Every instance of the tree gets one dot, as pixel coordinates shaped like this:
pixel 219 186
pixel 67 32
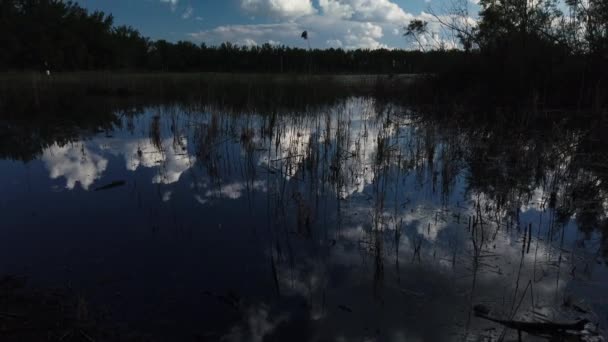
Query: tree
pixel 415 30
pixel 589 25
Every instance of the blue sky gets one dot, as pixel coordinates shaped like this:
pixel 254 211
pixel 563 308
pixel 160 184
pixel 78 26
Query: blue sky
pixel 331 23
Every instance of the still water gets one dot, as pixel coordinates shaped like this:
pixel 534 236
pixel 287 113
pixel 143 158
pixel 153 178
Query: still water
pixel 355 221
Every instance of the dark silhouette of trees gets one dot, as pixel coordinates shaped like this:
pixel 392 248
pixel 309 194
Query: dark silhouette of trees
pixel 533 52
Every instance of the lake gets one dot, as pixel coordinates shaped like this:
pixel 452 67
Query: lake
pixel 353 220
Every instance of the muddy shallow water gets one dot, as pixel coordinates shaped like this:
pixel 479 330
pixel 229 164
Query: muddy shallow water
pixel 352 221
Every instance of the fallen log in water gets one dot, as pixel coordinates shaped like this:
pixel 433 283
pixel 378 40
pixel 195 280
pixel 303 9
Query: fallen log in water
pixel 534 328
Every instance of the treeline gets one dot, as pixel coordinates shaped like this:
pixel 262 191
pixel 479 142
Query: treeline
pixel 61 35
pixel 227 57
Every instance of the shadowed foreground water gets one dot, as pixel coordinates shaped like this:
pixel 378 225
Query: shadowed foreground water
pixel 357 221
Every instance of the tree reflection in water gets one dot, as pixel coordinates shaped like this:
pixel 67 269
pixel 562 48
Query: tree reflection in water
pixel 360 211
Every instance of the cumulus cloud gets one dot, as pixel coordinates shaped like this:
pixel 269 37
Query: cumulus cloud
pixel 384 11
pixel 336 8
pixel 351 34
pixel 279 8
pixel 348 24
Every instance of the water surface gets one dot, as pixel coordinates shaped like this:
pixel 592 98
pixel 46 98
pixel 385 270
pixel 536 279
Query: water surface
pixel 358 220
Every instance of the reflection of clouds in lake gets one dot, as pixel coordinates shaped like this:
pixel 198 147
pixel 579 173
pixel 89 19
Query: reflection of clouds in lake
pixel 350 250
pixel 423 217
pixel 346 138
pixel 84 163
pixel 359 171
pixel 235 190
pixel 257 323
pixel 308 280
pixel 538 197
pixel 441 287
pixel 172 159
pixel 230 191
pixel 290 151
pixel 75 162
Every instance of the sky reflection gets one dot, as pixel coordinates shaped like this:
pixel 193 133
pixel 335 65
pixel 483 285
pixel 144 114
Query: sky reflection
pixel 353 222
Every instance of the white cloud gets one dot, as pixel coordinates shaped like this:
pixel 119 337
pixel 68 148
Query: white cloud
pixel 247 42
pixel 348 24
pixel 336 8
pixel 188 12
pixel 352 34
pixel 279 8
pixel 234 33
pixel 384 11
pixel 336 43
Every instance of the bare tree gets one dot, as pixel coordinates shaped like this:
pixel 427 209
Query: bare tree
pixel 415 30
pixel 457 23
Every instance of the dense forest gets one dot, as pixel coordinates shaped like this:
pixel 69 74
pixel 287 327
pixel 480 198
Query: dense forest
pixel 516 47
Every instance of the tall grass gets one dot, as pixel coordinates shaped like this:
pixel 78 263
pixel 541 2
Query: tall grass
pixel 35 91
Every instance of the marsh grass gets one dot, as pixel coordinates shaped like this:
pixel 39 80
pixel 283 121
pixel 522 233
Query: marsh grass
pixel 35 91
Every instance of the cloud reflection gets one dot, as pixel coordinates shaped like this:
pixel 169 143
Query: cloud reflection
pixel 76 163
pixel 84 162
pixel 171 159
